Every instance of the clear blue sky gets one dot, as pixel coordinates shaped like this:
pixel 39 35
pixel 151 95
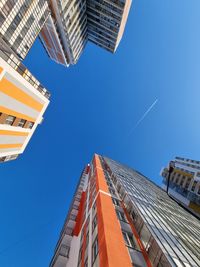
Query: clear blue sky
pixel 94 106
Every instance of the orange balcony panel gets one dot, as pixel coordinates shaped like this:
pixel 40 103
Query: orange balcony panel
pixel 79 218
pixel 112 249
pixel 100 178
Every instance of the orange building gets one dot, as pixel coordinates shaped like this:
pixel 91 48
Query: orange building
pixel 113 222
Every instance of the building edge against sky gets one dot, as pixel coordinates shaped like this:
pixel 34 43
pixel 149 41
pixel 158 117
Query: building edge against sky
pixel 118 217
pixel 23 101
pixel 73 23
pixel 64 27
pixel 184 184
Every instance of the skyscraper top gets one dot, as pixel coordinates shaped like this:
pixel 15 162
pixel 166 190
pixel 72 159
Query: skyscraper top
pixel 73 23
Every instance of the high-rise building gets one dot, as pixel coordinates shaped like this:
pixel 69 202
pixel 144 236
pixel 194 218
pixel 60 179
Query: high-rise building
pixel 21 22
pixel 23 101
pixel 73 23
pixel 118 217
pixel 184 183
pixel 64 26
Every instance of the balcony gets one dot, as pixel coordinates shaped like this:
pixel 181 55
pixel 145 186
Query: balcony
pixel 194 198
pixel 64 251
pixel 61 257
pixel 137 257
pixel 15 63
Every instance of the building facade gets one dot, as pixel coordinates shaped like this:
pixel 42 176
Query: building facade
pixel 75 22
pixel 21 22
pixel 184 184
pixel 23 101
pixel 64 27
pixel 118 218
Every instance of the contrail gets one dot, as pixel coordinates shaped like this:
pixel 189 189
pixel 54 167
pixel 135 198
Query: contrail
pixel 143 116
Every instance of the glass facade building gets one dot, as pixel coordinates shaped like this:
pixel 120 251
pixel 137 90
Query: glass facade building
pixel 78 21
pixel 21 22
pixel 118 217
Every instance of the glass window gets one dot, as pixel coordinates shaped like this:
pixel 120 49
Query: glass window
pixel 193 186
pixel 80 257
pixel 128 238
pixel 30 125
pixel 94 223
pixel 86 262
pixel 199 190
pixel 121 216
pixel 10 120
pixel 115 202
pixel 21 123
pixel 87 238
pixel 95 250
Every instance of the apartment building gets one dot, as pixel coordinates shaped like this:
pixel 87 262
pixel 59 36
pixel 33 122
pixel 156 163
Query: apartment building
pixel 23 101
pixel 118 217
pixel 74 23
pixel 184 183
pixel 21 22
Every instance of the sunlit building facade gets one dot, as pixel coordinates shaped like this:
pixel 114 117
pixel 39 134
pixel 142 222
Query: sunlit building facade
pixel 184 183
pixel 23 101
pixel 118 217
pixel 21 22
pixel 75 22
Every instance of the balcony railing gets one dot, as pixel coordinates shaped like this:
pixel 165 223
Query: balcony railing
pixel 15 63
pixel 194 198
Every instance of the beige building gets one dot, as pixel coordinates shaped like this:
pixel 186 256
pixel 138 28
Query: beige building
pixel 184 184
pixel 23 101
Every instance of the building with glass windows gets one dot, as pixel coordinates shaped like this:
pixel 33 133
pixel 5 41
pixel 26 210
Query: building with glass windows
pixel 21 22
pixel 118 217
pixel 23 101
pixel 184 184
pixel 73 23
pixel 64 27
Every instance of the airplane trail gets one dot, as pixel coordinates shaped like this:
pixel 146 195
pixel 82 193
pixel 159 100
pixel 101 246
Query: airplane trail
pixel 143 117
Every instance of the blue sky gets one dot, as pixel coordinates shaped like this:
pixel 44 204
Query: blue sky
pixel 94 106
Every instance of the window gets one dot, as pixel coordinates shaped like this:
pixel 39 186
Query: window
pixel 82 233
pixel 10 120
pixel 86 262
pixel 21 123
pixel 30 125
pixel 94 207
pixel 112 191
pixel 94 223
pixel 87 238
pixel 95 250
pixel 128 238
pixel 121 216
pixel 199 190
pixel 80 257
pixel 115 202
pixel 193 186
